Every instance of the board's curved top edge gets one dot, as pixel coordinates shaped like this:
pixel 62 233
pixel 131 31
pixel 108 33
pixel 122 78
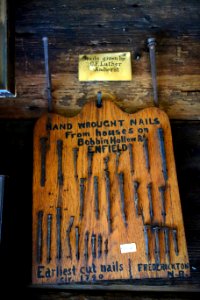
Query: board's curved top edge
pixel 92 105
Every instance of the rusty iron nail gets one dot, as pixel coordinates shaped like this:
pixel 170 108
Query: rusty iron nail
pixel 151 42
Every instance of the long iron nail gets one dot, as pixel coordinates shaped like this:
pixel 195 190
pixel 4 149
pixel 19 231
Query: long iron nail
pixel 130 268
pixel 77 242
pixel 39 236
pixel 118 153
pixel 146 153
pixel 166 236
pixel 58 226
pixel 146 239
pixel 106 247
pixel 93 242
pixel 107 181
pixel 96 196
pixel 71 221
pixel 43 149
pixel 162 152
pixel 49 229
pixel 59 153
pixel 136 197
pixel 175 241
pixel 106 160
pixel 149 190
pixel 82 196
pixel 99 245
pixel 90 160
pixel 86 245
pixel 75 158
pixel 162 197
pixel 130 149
pixel 48 74
pixel 152 53
pixel 122 198
pixel 157 244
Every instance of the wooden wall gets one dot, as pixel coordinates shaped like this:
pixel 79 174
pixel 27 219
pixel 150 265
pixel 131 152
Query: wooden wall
pixel 76 27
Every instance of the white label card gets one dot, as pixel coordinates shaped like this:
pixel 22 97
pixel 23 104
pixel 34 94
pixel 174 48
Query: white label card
pixel 128 248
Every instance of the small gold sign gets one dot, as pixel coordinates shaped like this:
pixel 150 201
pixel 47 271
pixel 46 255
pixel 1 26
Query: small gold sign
pixel 105 67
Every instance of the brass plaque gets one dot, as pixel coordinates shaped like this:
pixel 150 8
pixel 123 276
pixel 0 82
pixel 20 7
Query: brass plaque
pixel 106 203
pixel 105 67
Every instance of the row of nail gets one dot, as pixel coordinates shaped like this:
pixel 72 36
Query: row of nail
pixel 120 177
pixel 44 147
pixel 91 241
pixel 155 231
pixel 161 189
pixel 60 177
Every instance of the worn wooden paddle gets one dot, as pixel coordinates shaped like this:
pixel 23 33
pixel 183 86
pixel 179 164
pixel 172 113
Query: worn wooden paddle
pixel 106 202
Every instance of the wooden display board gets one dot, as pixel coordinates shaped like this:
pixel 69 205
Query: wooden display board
pixel 106 202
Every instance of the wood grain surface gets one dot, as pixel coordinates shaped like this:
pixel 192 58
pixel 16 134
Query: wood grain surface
pixel 64 191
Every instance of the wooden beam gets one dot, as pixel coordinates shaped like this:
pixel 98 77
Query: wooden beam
pixel 105 26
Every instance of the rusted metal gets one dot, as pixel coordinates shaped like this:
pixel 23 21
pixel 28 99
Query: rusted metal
pixel 71 221
pixel 82 196
pixel 99 246
pixel 86 245
pixel 75 158
pixel 167 249
pixel 146 240
pixel 130 149
pixel 49 229
pixel 59 154
pixel 107 181
pixel 39 236
pixel 162 152
pixel 136 196
pixel 93 242
pixel 152 53
pixel 106 247
pixel 48 73
pixel 149 191
pixel 175 241
pixel 122 198
pixel 77 243
pixel 162 197
pixel 58 231
pixel 43 151
pixel 90 160
pixel 156 230
pixel 146 152
pixel 96 197
pixel 118 153
pixel 99 99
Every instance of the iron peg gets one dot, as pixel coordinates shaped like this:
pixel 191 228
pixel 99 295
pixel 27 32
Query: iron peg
pixel 151 42
pixel 48 74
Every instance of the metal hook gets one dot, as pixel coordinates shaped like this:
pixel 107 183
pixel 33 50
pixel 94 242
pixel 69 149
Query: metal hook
pixel 151 42
pixel 99 99
pixel 48 74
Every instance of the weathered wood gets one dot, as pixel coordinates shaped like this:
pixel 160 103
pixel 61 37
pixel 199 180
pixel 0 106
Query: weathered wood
pixel 136 197
pixel 75 27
